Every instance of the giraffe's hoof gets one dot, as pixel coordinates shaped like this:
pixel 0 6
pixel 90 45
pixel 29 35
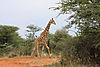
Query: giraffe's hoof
pixel 50 54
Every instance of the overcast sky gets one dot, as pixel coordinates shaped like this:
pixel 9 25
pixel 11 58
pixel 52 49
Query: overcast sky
pixel 21 13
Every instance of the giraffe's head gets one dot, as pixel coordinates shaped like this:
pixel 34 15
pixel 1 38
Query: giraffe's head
pixel 52 21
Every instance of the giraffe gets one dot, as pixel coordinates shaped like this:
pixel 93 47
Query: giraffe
pixel 42 39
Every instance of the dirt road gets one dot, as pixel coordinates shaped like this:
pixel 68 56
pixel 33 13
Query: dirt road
pixel 27 61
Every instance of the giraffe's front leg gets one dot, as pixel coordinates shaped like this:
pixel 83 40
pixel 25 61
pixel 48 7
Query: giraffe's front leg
pixel 48 49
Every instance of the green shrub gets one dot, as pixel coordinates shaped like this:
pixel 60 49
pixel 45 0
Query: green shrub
pixel 12 55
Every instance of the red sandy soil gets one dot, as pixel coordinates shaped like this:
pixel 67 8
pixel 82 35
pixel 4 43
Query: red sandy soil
pixel 27 61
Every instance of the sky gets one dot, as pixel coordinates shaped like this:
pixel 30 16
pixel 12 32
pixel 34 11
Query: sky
pixel 22 13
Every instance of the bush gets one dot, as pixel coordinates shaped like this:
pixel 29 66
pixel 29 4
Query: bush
pixel 12 55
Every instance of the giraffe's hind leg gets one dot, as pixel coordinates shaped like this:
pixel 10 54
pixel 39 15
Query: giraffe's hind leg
pixel 33 50
pixel 37 50
pixel 42 51
pixel 48 49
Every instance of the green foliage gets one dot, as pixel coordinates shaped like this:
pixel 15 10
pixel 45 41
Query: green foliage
pixel 58 40
pixel 12 55
pixel 87 50
pixel 32 29
pixel 9 39
pixel 11 44
pixel 25 47
pixel 8 34
pixel 85 15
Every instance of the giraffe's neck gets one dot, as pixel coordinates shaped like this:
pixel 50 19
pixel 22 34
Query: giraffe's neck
pixel 46 31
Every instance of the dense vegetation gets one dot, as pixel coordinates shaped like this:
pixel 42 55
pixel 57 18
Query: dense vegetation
pixel 81 49
pixel 11 44
pixel 85 16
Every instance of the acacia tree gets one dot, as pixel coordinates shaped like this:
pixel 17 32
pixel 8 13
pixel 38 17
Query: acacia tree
pixel 86 13
pixel 10 40
pixel 8 34
pixel 32 29
pixel 86 18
